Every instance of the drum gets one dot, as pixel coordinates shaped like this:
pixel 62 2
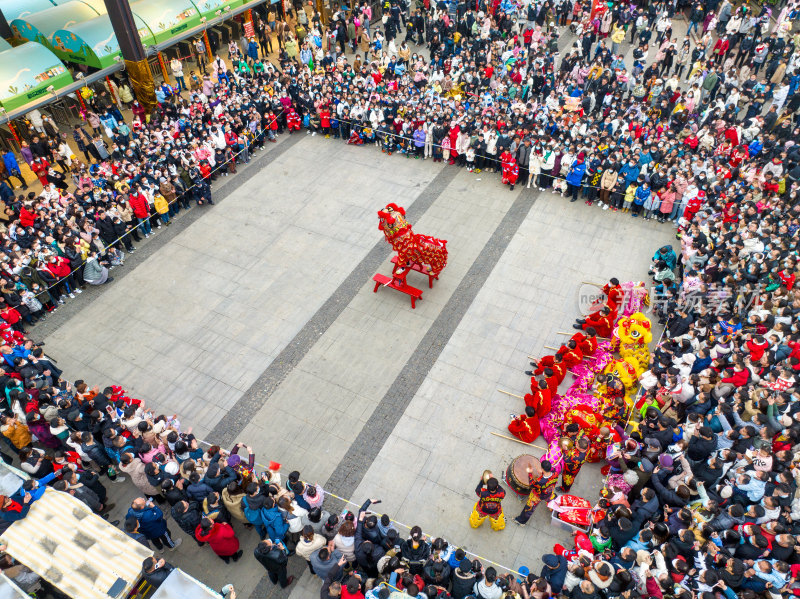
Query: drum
pixel 517 473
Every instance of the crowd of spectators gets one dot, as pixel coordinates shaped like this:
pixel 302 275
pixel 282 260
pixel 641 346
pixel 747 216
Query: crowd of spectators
pixel 699 132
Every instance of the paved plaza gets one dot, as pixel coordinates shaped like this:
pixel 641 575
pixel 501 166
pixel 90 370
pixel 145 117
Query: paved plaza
pixel 256 321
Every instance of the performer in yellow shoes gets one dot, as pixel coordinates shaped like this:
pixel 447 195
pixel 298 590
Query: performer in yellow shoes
pixel 490 494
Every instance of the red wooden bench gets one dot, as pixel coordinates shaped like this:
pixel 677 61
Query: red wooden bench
pixel 416 267
pixel 414 293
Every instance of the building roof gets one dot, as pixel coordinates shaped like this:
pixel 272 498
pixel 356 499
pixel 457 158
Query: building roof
pixel 77 551
pixel 28 72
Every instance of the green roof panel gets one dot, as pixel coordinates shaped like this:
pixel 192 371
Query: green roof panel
pixel 41 26
pixel 167 18
pixel 15 9
pixel 93 42
pixel 20 85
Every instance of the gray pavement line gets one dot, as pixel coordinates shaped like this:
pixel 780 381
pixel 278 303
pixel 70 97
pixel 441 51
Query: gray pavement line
pixel 145 250
pixel 239 416
pixel 365 448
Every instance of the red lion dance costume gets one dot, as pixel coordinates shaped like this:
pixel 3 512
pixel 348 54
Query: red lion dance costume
pixel 412 248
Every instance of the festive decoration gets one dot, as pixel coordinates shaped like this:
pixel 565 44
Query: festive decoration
pixel 631 338
pixel 572 509
pixel 429 253
pixel 628 371
pixel 636 296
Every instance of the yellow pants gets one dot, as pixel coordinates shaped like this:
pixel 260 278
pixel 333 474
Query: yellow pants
pixel 476 519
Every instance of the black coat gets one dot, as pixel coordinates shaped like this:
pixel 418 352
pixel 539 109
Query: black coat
pixel 367 561
pixel 106 228
pixel 699 449
pixel 273 558
pixel 157 577
pixel 189 520
pixel 462 584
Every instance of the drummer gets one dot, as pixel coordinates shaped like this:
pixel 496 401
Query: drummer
pixel 490 494
pixel 573 460
pixel 542 489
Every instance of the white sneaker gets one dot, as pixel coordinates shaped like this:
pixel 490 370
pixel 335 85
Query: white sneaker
pixel 79 291
pixel 177 544
pixel 541 189
pixel 60 301
pixel 119 479
pixel 72 296
pixel 605 206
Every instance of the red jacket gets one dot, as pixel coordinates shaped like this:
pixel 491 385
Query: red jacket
pixel 10 315
pixel 756 350
pixel 221 538
pixel 59 268
pixel 525 428
pixel 26 217
pixel 737 379
pixel 787 278
pixel 141 208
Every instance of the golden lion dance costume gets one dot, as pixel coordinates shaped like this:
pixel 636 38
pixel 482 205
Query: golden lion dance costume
pixel 429 253
pixel 631 338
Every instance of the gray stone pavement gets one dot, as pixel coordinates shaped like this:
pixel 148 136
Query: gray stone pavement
pixel 197 322
pixel 443 442
pixel 194 326
pixel 255 320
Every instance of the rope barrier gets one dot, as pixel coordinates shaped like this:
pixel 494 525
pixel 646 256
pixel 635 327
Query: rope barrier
pixel 218 167
pixel 350 502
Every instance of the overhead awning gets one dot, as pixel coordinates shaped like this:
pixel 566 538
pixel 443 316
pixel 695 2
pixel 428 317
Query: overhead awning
pixel 76 551
pixel 16 9
pixel 167 18
pixel 93 42
pixel 10 590
pixel 41 26
pixel 28 72
pixel 72 88
pixel 209 8
pixel 179 585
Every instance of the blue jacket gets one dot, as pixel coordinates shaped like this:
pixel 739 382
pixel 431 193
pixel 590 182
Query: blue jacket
pixel 12 515
pixel 555 576
pixel 641 196
pixel 629 173
pixel 10 161
pixel 252 506
pixel 275 524
pixel 198 491
pixel 151 521
pixel 6 193
pixel 670 258
pixel 575 174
